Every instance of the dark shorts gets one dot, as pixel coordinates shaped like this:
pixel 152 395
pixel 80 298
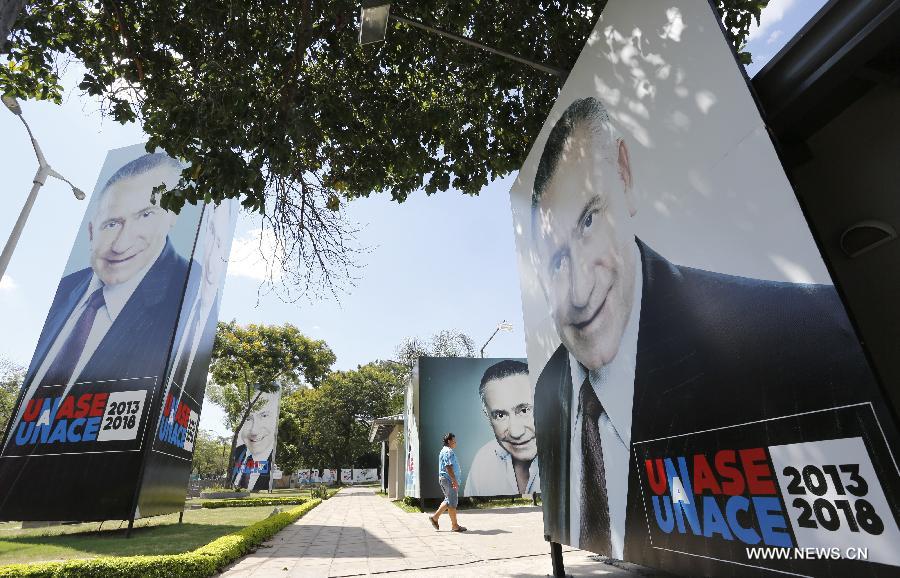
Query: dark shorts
pixel 451 496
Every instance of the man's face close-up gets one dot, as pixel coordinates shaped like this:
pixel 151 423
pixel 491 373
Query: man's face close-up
pixel 584 241
pixel 259 430
pixel 508 404
pixel 127 231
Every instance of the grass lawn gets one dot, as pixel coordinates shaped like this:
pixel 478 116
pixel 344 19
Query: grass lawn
pixel 158 535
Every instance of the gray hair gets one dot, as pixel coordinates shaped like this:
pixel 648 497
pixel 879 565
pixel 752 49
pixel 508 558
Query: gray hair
pixel 587 112
pixel 142 164
pixel 500 370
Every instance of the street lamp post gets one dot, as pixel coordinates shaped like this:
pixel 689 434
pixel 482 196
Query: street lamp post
pixel 374 17
pixel 44 171
pixel 502 326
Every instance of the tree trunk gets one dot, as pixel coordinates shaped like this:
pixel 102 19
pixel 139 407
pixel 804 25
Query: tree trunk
pixel 9 11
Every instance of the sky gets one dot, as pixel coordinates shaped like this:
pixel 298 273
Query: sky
pixel 431 263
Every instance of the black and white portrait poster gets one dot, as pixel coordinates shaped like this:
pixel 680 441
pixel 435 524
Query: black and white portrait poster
pixel 702 403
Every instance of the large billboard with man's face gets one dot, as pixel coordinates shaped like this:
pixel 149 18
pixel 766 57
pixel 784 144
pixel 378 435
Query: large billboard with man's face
pixel 253 458
pixel 81 436
pixel 488 405
pixel 702 403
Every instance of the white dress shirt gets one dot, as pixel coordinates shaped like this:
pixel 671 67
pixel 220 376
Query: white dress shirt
pixel 614 385
pixel 115 298
pixel 492 473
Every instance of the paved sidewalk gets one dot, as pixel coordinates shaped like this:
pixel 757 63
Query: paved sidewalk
pixel 357 533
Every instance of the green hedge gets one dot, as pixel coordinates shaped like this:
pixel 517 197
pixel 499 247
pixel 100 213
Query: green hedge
pixel 249 502
pixel 200 563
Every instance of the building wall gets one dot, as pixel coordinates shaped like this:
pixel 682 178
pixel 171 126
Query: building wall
pixel 854 175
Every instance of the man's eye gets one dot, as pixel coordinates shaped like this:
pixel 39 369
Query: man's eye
pixel 146 214
pixel 498 414
pixel 524 410
pixel 110 225
pixel 589 220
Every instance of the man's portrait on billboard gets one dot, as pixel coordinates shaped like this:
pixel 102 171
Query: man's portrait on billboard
pixel 113 320
pixel 650 348
pixel 253 456
pixel 507 465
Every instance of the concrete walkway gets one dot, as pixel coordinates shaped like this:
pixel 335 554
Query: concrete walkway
pixel 358 533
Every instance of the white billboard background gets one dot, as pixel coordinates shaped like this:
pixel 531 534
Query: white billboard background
pixel 701 209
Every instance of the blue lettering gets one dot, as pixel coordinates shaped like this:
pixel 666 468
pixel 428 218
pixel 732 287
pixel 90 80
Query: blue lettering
pixel 665 521
pixel 713 520
pixel 734 505
pixel 72 434
pixel 91 427
pixel 23 433
pixel 59 432
pixel 771 522
pixel 683 507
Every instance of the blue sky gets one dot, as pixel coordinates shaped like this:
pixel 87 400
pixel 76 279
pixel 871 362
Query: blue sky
pixel 440 262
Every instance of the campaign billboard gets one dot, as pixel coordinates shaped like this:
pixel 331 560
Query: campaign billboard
pixel 487 404
pixel 254 455
pixel 702 403
pixel 92 393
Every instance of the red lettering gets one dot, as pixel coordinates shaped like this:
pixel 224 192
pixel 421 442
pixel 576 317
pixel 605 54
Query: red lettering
pixel 725 460
pixel 98 404
pixel 757 470
pixel 84 405
pixel 704 478
pixel 168 405
pixel 32 410
pixel 657 479
pixel 184 414
pixel 66 408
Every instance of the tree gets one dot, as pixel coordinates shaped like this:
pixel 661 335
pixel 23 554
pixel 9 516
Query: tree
pixel 275 103
pixel 11 376
pixel 445 343
pixel 329 426
pixel 250 360
pixel 210 458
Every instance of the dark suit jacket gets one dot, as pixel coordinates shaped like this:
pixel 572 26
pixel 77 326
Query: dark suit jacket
pixel 137 345
pixel 713 350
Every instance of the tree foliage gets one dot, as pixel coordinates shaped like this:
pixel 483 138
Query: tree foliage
pixel 329 426
pixel 274 102
pixel 250 360
pixel 445 343
pixel 11 376
pixel 210 455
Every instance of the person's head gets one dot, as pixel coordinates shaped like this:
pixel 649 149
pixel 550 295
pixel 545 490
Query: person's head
pixel 582 204
pixel 259 429
pixel 218 243
pixel 127 231
pixel 450 440
pixel 506 395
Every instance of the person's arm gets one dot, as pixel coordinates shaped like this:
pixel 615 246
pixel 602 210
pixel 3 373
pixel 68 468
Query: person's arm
pixel 449 469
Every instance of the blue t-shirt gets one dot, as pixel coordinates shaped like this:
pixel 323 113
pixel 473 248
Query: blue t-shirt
pixel 448 456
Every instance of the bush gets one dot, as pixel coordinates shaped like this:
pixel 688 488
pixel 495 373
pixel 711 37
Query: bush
pixel 248 502
pixel 200 563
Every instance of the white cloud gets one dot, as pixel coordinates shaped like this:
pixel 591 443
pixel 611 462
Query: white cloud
pixel 255 256
pixel 776 34
pixel 772 14
pixel 7 283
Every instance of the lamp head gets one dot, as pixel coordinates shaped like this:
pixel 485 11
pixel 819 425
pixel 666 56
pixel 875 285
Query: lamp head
pixel 79 194
pixel 505 326
pixel 373 20
pixel 12 104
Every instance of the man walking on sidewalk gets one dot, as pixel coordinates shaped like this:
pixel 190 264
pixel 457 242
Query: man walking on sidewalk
pixel 449 475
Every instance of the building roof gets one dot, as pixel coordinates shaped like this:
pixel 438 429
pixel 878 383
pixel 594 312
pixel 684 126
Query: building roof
pixel 383 426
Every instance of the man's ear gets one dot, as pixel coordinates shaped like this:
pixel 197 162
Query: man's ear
pixel 90 231
pixel 623 163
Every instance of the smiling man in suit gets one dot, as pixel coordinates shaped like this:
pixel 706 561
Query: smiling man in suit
pixel 115 319
pixel 651 349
